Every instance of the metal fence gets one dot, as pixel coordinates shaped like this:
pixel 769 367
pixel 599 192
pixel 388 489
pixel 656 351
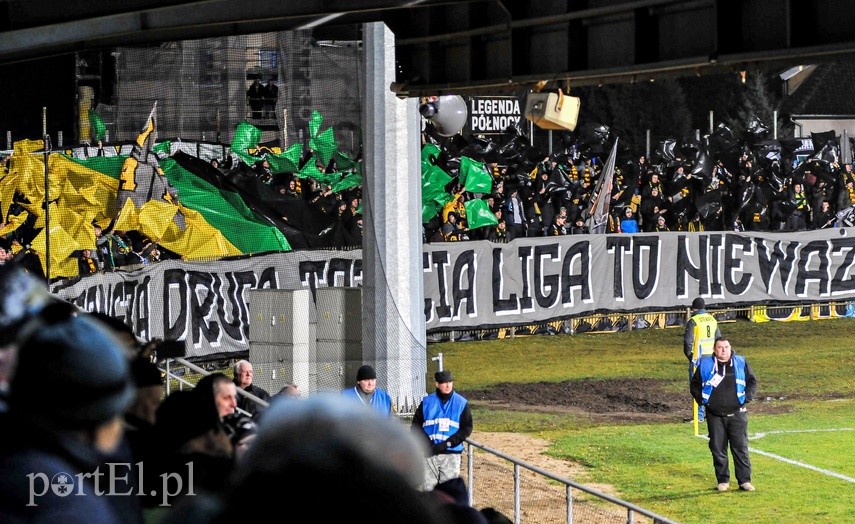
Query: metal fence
pixel 534 495
pixel 496 480
pixel 527 492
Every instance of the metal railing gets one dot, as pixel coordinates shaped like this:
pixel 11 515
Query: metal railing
pixel 182 382
pixel 575 508
pixel 543 493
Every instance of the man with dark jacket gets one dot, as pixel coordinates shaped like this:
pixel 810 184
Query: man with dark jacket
pixel 66 399
pixel 87 265
pixel 698 339
pixel 444 419
pixel 724 383
pixel 243 380
pixel 271 95
pixel 255 97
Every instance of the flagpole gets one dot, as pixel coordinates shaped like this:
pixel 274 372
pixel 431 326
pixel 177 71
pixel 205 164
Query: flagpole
pixel 47 198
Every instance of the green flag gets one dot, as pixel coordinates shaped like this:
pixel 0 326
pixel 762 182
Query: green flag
pixel 434 180
pixel 311 170
pixel 429 210
pixel 478 214
pixel 99 128
pixel 287 161
pixel 428 151
pixel 323 143
pixel 343 161
pixel 348 181
pixel 246 137
pixel 164 147
pixel 474 176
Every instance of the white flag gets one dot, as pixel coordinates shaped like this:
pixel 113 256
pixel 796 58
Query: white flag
pixel 598 214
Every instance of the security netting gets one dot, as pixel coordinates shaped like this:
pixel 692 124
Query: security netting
pixel 224 110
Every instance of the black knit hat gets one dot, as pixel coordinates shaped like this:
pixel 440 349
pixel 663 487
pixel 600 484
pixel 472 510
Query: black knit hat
pixel 366 372
pixel 443 376
pixel 72 371
pixel 181 417
pixel 698 303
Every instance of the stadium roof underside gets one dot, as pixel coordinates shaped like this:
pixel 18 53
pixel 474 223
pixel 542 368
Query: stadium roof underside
pixel 472 46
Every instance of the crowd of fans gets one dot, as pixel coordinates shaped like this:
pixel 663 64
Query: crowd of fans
pixel 758 186
pixel 97 440
pixel 715 184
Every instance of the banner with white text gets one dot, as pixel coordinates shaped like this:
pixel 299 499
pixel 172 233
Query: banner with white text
pixel 482 285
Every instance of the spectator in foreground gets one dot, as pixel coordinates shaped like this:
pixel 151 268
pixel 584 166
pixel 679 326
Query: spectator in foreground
pixel 305 451
pixel 140 416
pixel 221 390
pixel 67 396
pixel 289 391
pixel 194 450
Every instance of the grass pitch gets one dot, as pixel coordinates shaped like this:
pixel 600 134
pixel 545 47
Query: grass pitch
pixel 802 437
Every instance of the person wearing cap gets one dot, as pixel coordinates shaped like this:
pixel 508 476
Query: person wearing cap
pixel 21 296
pixel 445 420
pixel 67 396
pixel 661 225
pixel 367 392
pixel 699 338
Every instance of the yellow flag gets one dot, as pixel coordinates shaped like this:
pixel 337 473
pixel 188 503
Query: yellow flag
pixel 199 240
pixel 78 226
pixel 62 246
pixel 155 217
pixel 39 212
pixel 128 219
pixel 14 223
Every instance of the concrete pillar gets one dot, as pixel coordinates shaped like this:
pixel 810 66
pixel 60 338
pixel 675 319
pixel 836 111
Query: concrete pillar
pixel 393 282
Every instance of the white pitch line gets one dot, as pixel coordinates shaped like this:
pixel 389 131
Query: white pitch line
pixel 778 432
pixel 796 462
pixel 803 465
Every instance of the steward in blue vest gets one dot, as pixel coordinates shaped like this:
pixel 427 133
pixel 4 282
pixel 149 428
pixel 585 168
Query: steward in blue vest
pixel 724 383
pixel 444 419
pixel 367 392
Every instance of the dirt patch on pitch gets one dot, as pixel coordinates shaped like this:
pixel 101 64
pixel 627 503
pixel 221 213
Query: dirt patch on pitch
pixel 611 400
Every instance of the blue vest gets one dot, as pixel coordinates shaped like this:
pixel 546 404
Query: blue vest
pixel 707 368
pixel 442 421
pixel 380 402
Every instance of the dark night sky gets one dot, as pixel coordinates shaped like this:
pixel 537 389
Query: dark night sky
pixel 29 86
